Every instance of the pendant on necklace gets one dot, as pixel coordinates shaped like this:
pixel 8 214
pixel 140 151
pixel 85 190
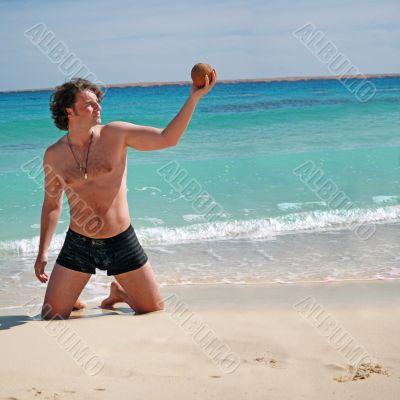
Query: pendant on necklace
pixel 80 168
pixel 85 175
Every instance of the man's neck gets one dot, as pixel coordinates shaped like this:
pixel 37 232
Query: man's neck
pixel 79 136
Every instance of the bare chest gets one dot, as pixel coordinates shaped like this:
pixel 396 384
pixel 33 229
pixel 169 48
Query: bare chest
pixel 103 161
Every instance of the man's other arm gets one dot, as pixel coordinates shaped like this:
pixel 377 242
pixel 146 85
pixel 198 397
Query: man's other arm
pixel 51 210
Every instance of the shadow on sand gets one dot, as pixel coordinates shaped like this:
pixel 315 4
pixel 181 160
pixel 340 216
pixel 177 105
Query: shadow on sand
pixel 11 321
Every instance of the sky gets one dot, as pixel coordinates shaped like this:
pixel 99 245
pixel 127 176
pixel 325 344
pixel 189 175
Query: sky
pixel 122 41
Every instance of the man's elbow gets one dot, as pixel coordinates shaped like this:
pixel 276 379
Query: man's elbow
pixel 51 206
pixel 169 142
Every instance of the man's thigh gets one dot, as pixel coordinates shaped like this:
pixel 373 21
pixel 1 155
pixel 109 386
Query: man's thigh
pixel 64 287
pixel 142 289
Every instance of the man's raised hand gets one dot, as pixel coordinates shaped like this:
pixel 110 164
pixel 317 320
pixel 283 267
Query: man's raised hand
pixel 198 93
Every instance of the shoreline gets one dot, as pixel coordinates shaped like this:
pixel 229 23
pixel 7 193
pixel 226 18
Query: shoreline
pixel 315 259
pixel 227 81
pixel 354 293
pixel 357 293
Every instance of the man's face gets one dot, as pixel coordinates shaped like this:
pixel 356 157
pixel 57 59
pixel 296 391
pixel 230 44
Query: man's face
pixel 86 110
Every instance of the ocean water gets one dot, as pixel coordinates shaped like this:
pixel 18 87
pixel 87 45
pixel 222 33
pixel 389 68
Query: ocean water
pixel 226 204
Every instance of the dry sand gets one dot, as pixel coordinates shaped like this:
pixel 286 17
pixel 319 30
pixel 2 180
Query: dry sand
pixel 270 349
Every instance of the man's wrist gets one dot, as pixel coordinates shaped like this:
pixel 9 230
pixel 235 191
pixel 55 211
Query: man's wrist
pixel 42 253
pixel 193 99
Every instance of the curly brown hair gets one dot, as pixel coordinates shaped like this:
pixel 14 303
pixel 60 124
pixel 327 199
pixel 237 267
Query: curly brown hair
pixel 65 96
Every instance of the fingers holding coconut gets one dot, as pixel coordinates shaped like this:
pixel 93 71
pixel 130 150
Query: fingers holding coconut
pixel 204 78
pixel 210 80
pixel 199 73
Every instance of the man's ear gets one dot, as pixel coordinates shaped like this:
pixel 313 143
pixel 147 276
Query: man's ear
pixel 69 111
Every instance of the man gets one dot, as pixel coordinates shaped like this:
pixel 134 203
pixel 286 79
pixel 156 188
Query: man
pixel 89 164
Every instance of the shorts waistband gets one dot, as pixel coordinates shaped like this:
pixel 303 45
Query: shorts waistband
pixel 104 241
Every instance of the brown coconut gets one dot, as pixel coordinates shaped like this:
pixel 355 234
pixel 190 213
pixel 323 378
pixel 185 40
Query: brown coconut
pixel 199 72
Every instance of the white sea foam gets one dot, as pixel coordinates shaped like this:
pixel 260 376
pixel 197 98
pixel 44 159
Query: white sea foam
pixel 193 217
pixel 299 206
pixel 266 228
pixel 31 245
pixel 289 206
pixel 384 199
pixel 318 220
pixel 161 250
pixel 153 188
pixel 154 221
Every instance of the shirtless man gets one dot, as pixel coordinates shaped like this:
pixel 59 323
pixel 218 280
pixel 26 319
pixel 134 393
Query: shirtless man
pixel 89 164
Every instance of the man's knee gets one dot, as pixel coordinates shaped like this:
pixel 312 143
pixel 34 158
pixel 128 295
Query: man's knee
pixel 152 307
pixel 159 305
pixel 50 313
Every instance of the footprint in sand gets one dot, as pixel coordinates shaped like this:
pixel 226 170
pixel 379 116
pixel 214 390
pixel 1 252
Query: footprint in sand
pixel 39 392
pixel 363 371
pixel 36 392
pixel 270 361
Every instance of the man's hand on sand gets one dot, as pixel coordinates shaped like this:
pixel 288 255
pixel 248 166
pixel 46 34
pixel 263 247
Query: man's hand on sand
pixel 40 265
pixel 198 93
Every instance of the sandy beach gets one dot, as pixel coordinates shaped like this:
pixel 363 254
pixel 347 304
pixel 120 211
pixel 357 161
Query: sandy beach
pixel 265 199
pixel 257 342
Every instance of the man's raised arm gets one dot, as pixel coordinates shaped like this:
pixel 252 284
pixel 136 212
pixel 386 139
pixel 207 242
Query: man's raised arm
pixel 147 138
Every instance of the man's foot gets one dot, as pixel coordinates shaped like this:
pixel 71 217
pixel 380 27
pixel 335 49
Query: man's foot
pixel 117 295
pixel 79 305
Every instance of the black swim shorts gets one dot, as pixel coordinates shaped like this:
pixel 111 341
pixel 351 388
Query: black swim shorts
pixel 116 255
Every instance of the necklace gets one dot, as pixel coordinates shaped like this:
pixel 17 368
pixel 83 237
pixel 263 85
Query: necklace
pixel 87 155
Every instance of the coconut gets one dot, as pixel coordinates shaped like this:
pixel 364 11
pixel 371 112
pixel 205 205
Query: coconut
pixel 199 72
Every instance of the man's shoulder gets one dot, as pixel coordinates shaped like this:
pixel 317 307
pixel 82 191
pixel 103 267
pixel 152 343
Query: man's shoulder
pixel 116 130
pixel 54 149
pixel 116 126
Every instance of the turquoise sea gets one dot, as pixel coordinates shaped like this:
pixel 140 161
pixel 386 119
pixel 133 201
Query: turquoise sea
pixel 242 147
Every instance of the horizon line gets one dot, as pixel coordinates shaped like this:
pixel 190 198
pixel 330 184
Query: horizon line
pixel 227 81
